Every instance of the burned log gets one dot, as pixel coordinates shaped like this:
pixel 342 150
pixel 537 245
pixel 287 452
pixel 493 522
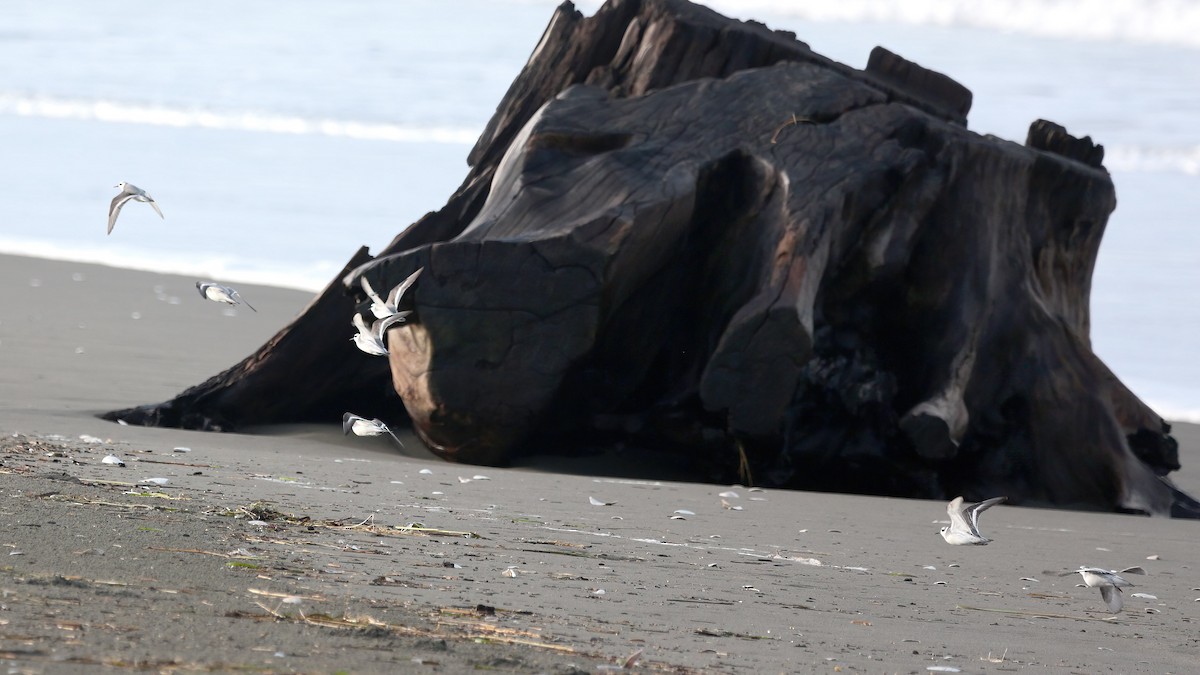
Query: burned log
pixel 690 231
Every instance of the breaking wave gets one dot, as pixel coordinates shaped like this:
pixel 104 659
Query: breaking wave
pixel 155 115
pixel 1169 22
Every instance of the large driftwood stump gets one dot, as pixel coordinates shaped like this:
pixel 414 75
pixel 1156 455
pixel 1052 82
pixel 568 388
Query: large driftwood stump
pixel 689 231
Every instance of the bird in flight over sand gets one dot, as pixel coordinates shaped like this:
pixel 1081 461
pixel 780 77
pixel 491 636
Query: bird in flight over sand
pixel 371 340
pixel 1109 582
pixel 129 191
pixel 210 290
pixel 381 308
pixel 964 522
pixel 361 426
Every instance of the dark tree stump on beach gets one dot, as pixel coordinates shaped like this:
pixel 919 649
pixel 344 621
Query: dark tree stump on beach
pixel 693 232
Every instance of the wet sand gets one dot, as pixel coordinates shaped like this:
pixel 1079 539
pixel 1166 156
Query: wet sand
pixel 300 550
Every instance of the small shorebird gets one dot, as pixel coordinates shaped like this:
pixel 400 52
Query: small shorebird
pixel 964 522
pixel 1109 583
pixel 129 191
pixel 361 426
pixel 371 340
pixel 210 290
pixel 381 308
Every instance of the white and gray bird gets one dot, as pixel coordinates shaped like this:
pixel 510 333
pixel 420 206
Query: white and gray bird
pixel 128 192
pixel 211 290
pixel 373 340
pixel 964 522
pixel 1109 582
pixel 361 426
pixel 381 308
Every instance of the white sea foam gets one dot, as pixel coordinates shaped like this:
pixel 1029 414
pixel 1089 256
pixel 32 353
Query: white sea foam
pixel 157 115
pixel 1171 22
pixel 1181 159
pixel 307 277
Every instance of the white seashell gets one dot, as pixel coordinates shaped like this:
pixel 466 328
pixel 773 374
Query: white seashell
pixel 156 481
pixel 597 502
pixel 943 669
pixel 685 512
pixel 1153 557
pixel 88 438
pixel 598 591
pixel 678 518
pixel 729 494
pixel 181 449
pixel 1144 596
pixel 1030 579
pixel 510 573
pixel 464 480
pixel 113 459
pixel 479 477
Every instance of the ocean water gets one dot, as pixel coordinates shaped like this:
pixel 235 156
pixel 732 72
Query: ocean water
pixel 280 135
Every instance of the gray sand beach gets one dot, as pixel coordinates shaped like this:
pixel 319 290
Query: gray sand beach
pixel 299 550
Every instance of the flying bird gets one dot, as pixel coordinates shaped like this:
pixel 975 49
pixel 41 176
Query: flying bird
pixel 128 192
pixel 210 290
pixel 1109 582
pixel 371 340
pixel 361 426
pixel 964 522
pixel 381 308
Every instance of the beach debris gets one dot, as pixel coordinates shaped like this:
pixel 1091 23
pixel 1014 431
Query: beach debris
pixel 964 522
pixel 943 669
pixel 1109 582
pixel 211 290
pixel 596 502
pixel 510 573
pixel 598 591
pixel 1030 579
pixel 633 659
pixel 361 426
pixel 128 192
pixel 730 507
pixel 113 459
pixel 155 481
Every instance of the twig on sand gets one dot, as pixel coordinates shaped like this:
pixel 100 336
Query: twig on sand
pixel 1037 615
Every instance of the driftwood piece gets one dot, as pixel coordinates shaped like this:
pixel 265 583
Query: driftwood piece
pixel 689 231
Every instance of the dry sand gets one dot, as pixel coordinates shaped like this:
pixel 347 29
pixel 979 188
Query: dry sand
pixel 299 550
